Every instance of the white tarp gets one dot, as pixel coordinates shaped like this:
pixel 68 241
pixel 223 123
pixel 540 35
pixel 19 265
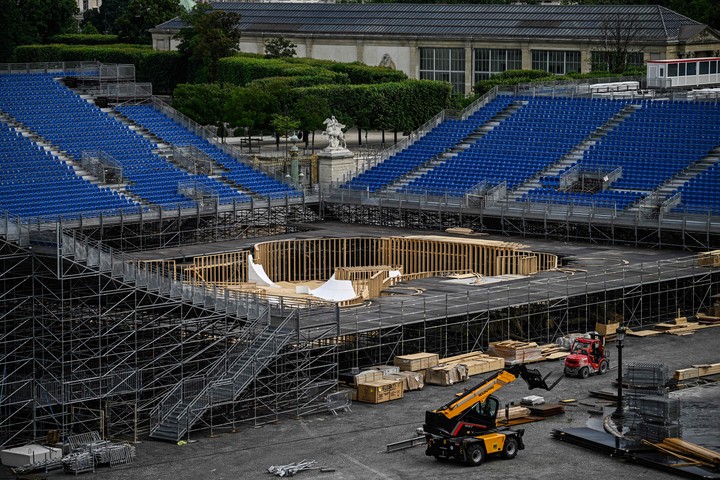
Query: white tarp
pixel 335 290
pixel 256 273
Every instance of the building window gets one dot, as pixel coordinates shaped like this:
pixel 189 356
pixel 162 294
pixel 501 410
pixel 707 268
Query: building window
pixel 489 61
pixel 599 60
pixel 558 62
pixel 444 64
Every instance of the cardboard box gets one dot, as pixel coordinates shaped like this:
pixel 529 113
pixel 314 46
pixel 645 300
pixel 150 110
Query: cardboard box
pixel 606 329
pixel 416 362
pixel 380 391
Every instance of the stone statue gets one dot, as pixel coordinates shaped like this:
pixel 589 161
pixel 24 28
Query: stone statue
pixel 333 130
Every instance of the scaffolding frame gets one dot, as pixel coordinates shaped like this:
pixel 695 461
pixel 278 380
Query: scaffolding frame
pixel 87 328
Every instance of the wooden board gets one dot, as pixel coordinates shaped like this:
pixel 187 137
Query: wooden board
pixel 644 333
pixel 416 362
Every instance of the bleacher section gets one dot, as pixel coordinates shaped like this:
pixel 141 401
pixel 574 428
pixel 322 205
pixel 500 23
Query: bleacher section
pixel 522 146
pixel 173 133
pixel 437 141
pixel 74 126
pixel 702 193
pixel 628 149
pixel 652 145
pixel 34 183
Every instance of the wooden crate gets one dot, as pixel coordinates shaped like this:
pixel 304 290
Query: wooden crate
pixel 606 329
pixel 380 391
pixel 416 362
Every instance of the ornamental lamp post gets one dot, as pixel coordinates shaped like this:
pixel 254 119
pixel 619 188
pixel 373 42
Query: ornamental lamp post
pixel 619 411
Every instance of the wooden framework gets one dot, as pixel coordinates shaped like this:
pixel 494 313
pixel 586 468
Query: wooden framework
pixel 368 261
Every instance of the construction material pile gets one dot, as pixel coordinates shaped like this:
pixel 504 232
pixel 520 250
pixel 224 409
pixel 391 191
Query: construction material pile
pixel 515 352
pixel 688 452
pixel 451 370
pixel 696 372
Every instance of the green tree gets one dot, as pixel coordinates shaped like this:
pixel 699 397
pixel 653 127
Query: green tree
pixel 283 125
pixel 26 22
pixel 311 111
pixel 104 18
pixel 250 108
pixel 139 16
pixel 279 47
pixel 210 36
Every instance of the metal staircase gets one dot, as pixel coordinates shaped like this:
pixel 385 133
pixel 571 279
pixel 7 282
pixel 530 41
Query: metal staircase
pixel 223 383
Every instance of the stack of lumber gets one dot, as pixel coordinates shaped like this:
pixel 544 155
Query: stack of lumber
pixel 410 380
pixel 680 326
pixel 607 330
pixel 513 413
pixel 516 352
pixel 546 409
pixel 689 451
pixel 707 319
pixel 697 371
pixel 552 351
pixel 458 368
pixel 416 362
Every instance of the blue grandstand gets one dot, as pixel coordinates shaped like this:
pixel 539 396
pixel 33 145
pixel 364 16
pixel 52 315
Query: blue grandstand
pixel 71 124
pixel 34 183
pixel 645 144
pixel 237 172
pixel 437 141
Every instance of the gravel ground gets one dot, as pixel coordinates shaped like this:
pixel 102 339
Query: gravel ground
pixel 353 443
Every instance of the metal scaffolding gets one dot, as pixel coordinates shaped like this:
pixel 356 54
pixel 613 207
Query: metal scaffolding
pixel 93 339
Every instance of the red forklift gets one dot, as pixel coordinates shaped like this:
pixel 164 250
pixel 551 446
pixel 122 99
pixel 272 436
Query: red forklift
pixel 587 356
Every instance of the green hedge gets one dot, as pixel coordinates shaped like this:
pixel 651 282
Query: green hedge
pixel 164 69
pixel 400 106
pixel 297 82
pixel 241 70
pixel 84 39
pixel 357 72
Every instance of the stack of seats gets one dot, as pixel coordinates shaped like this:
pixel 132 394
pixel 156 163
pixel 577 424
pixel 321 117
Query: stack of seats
pixel 75 126
pixel 35 184
pixel 652 145
pixel 175 134
pixel 437 141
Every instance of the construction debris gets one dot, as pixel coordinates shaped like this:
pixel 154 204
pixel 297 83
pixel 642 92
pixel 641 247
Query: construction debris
pixel 411 380
pixel 291 469
pixel 546 410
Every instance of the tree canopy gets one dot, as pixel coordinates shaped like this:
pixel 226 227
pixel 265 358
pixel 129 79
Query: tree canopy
pixel 279 47
pixel 33 21
pixel 210 36
pixel 139 16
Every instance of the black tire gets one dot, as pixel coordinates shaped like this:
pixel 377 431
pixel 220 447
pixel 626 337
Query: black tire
pixel 568 372
pixel 474 454
pixel 510 449
pixel 584 372
pixel 603 368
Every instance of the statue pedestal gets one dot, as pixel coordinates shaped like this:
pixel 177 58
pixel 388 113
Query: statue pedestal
pixel 335 165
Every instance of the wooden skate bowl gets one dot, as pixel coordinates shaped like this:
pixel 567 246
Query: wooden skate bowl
pixel 366 261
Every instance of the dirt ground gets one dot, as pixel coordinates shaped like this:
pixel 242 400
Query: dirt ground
pixel 354 443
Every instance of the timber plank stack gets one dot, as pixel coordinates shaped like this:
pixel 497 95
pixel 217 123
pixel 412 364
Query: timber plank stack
pixel 459 368
pixel 689 451
pixel 697 371
pixel 514 351
pixel 552 351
